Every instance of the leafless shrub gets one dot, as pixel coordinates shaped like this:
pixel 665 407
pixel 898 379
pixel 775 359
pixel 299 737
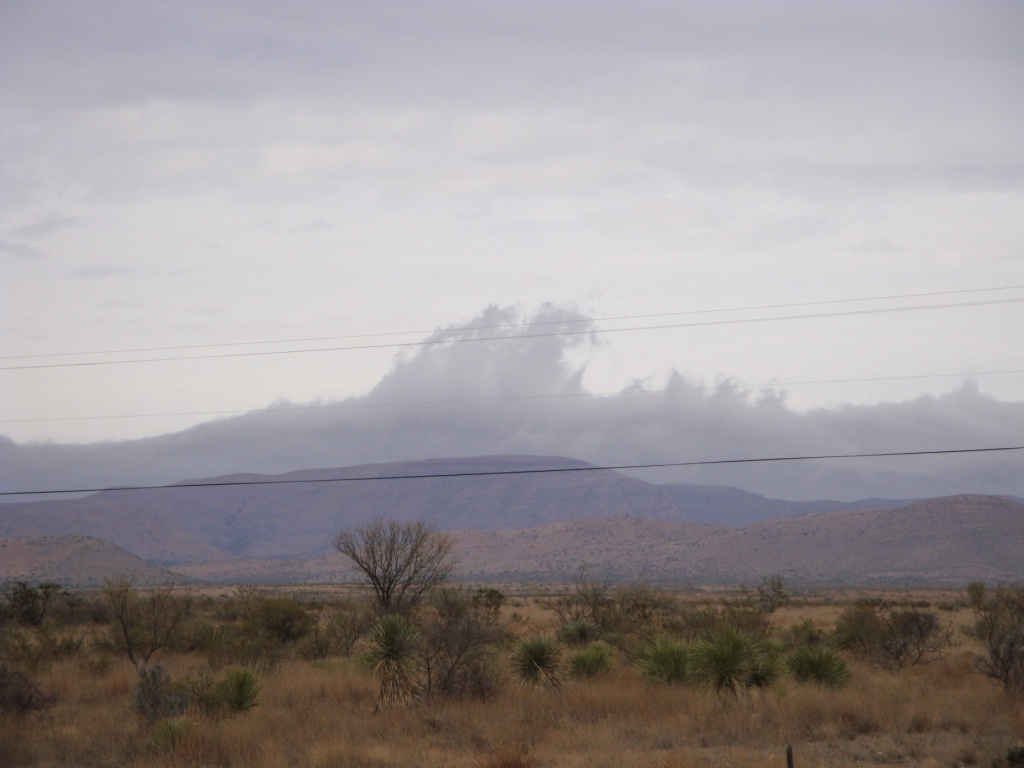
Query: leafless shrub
pixel 999 626
pixel 143 624
pixel 456 646
pixel 402 561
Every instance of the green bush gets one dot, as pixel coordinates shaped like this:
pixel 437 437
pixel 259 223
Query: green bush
pixel 538 661
pixel 593 661
pixel 819 665
pixel 156 697
pixel 803 634
pixel 281 619
pixel 665 661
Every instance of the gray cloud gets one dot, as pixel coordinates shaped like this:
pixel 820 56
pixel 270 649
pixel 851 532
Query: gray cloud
pixel 99 272
pixel 625 428
pixel 46 226
pixel 19 250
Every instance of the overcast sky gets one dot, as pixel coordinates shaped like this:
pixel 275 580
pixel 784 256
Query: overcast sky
pixel 197 173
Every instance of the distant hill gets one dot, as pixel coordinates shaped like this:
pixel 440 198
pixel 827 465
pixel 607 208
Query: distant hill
pixel 73 561
pixel 944 541
pixel 196 524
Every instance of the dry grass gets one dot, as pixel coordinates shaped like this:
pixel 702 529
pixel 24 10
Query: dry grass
pixel 321 716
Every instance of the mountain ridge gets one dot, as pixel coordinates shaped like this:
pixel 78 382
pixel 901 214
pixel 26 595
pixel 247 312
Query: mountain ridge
pixel 288 519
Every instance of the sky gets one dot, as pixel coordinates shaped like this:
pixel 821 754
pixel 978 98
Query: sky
pixel 224 178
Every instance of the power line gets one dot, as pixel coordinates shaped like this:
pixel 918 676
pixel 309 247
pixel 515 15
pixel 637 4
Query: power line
pixel 497 472
pixel 513 325
pixel 436 342
pixel 455 401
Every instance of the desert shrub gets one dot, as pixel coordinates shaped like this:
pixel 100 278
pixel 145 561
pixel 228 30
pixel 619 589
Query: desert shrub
pixel 665 661
pixel 538 661
pixel 857 628
pixel 156 697
pixel 390 654
pixel 202 694
pixel 819 665
pixel 141 624
pixel 28 605
pixel 20 695
pixel 579 632
pixel 772 593
pixel 37 649
pixel 593 661
pixel 239 644
pixel 490 602
pixel 999 627
pixel 336 633
pixel 891 635
pixel 804 634
pixel 74 609
pixel 641 613
pixel 457 645
pixel 281 619
pixel 239 690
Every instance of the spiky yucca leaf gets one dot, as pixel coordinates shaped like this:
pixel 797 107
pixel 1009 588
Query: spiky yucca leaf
pixel 766 665
pixel 665 661
pixel 389 654
pixel 724 660
pixel 820 665
pixel 239 690
pixel 538 660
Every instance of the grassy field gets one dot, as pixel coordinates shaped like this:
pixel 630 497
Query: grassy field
pixel 316 704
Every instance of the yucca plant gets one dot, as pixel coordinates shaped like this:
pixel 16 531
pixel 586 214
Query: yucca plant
pixel 538 661
pixel 665 661
pixel 820 665
pixel 724 661
pixel 389 655
pixel 766 665
pixel 169 735
pixel 579 632
pixel 593 661
pixel 239 690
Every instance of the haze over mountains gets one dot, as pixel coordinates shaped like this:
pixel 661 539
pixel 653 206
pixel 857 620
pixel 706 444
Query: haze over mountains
pixel 191 524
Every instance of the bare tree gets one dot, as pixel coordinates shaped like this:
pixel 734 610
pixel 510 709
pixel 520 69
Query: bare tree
pixel 144 624
pixel 402 561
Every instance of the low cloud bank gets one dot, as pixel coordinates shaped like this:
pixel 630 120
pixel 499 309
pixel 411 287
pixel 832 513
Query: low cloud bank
pixel 620 429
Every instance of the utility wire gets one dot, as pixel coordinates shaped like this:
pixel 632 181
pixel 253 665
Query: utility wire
pixel 494 473
pixel 514 325
pixel 453 401
pixel 435 342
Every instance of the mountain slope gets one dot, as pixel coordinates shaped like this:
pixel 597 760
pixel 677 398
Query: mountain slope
pixel 947 541
pixel 73 561
pixel 199 524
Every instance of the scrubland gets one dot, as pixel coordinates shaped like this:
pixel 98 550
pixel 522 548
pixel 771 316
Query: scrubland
pixel 317 698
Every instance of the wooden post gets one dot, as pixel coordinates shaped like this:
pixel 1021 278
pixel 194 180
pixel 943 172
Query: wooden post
pixel 789 756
